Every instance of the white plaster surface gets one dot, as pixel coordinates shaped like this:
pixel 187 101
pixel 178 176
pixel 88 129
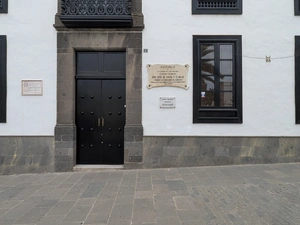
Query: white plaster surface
pixel 267 28
pixel 31 54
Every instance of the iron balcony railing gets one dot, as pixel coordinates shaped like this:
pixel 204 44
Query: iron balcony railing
pixel 96 13
pixel 96 7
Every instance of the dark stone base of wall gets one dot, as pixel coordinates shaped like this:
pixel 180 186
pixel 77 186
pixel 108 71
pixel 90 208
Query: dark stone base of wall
pixel 26 155
pixel 133 149
pixel 65 148
pixel 37 154
pixel 209 151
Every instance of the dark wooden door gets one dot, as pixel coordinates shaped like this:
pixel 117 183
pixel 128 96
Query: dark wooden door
pixel 100 108
pixel 100 121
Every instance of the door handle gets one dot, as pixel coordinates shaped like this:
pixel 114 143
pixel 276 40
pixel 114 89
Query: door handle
pixel 101 122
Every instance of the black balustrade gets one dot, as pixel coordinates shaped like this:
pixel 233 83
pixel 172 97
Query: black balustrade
pixel 96 13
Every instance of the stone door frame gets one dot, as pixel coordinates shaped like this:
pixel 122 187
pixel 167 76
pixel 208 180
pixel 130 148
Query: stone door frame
pixel 68 43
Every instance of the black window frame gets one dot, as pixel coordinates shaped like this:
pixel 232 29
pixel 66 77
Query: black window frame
pixel 224 10
pixel 3 46
pixel 218 114
pixel 297 7
pixel 297 79
pixel 3 6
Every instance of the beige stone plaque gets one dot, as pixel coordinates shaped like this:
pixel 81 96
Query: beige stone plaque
pixel 32 87
pixel 168 75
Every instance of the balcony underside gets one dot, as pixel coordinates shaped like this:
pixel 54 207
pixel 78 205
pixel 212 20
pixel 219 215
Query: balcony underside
pixel 96 21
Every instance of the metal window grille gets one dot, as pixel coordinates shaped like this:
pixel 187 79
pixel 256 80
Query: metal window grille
pixel 217 6
pixel 96 7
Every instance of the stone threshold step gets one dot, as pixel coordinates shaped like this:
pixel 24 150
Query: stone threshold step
pixel 82 167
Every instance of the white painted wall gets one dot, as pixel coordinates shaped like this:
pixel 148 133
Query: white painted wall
pixel 31 54
pixel 268 88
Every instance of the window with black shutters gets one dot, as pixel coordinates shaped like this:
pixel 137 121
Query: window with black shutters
pixel 297 78
pixel 217 7
pixel 3 6
pixel 297 7
pixel 2 79
pixel 217 79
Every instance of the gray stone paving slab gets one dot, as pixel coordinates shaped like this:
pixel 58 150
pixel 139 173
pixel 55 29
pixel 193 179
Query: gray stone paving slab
pixel 59 179
pixel 160 188
pixel 116 174
pixel 48 220
pixel 78 213
pixel 11 192
pixel 33 216
pixel 124 199
pixel 111 187
pixel 144 224
pixel 125 191
pixel 3 211
pixel 71 196
pixel 223 195
pixel 158 174
pixel 143 210
pixel 34 199
pixel 121 212
pixel 18 211
pixel 104 206
pixel 61 208
pixel 9 204
pixel 107 195
pixel 144 194
pixel 144 186
pixel 93 190
pixel 164 206
pixel 188 177
pixel 175 185
pixel 46 203
pixel 184 202
pixel 27 192
pixel 100 212
pixel 172 174
pixel 86 201
pixel 96 218
pixel 128 183
pixel 45 179
pixel 8 221
pixel 58 193
pixel 188 215
pixel 164 221
pixel 118 222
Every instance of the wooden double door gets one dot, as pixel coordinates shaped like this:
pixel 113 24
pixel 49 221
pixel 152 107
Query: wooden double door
pixel 100 109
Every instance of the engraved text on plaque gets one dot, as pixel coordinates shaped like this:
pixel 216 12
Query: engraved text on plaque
pixel 168 75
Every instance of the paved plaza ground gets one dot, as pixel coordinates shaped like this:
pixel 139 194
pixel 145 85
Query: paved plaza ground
pixel 250 194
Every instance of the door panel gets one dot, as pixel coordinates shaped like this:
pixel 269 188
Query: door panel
pixel 109 65
pixel 100 120
pixel 113 112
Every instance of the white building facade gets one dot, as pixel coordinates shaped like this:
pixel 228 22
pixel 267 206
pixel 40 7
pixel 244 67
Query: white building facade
pixel 87 63
pixel 28 50
pixel 266 92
